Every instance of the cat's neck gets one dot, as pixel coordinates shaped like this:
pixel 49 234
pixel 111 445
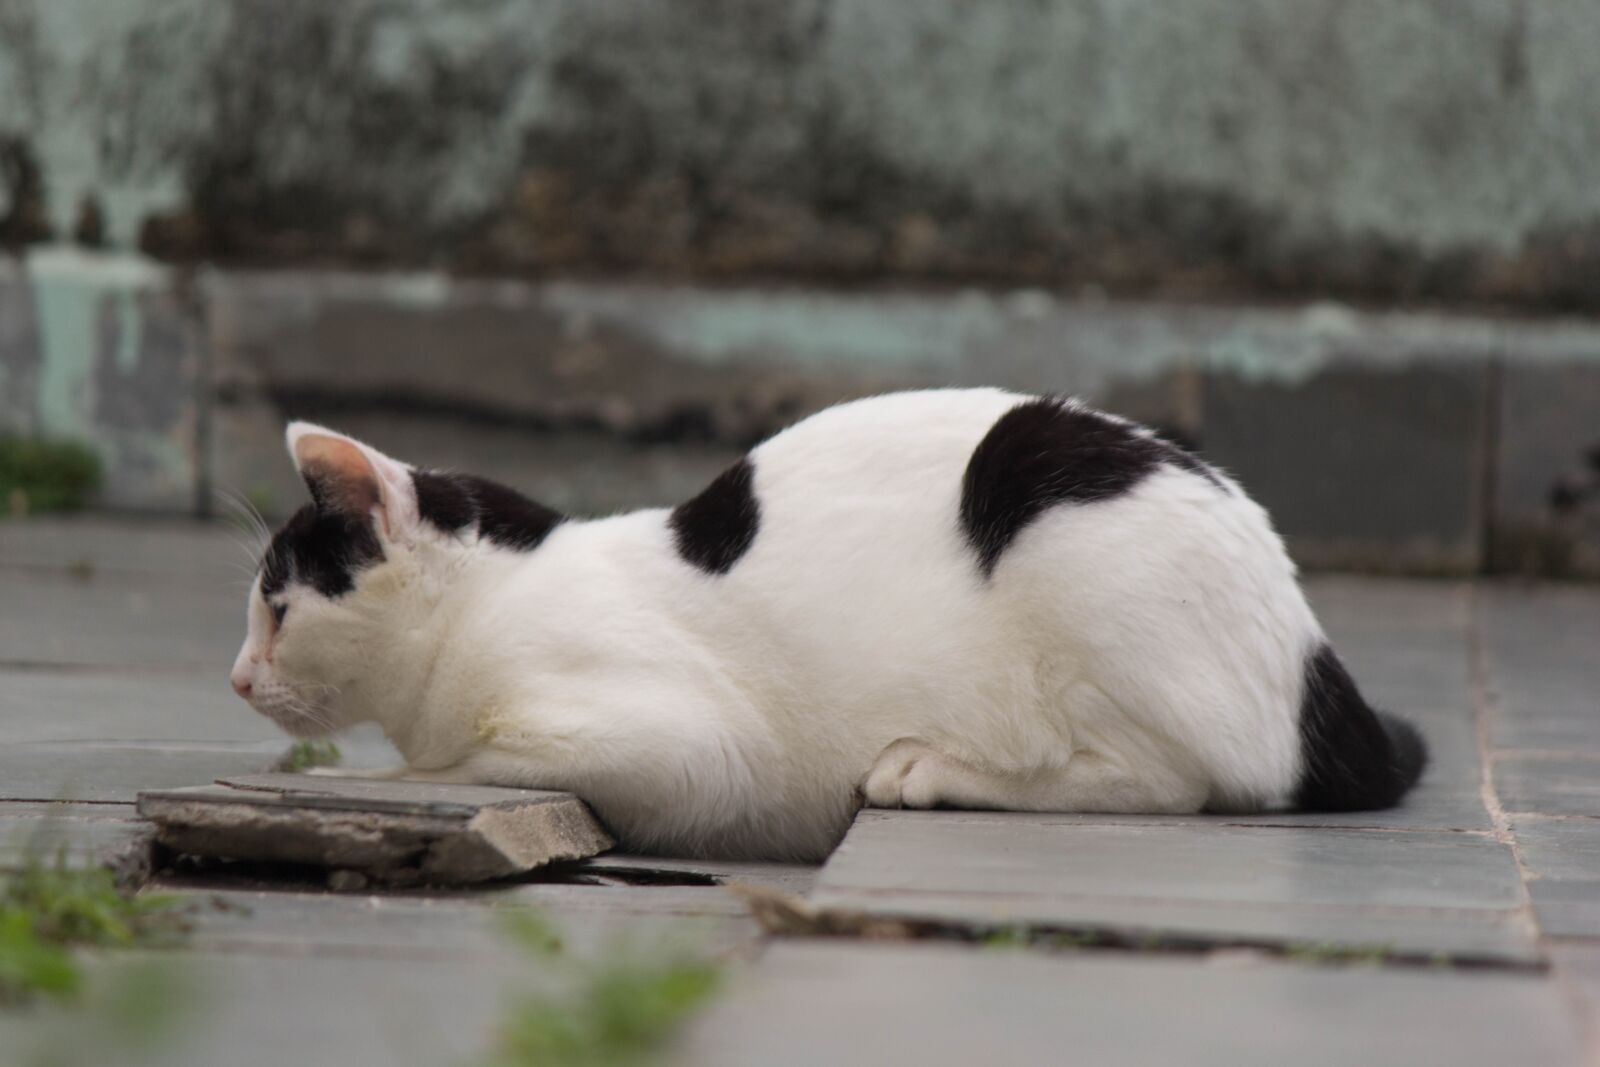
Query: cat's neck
pixel 437 662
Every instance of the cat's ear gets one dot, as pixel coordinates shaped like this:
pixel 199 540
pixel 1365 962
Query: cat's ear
pixel 348 477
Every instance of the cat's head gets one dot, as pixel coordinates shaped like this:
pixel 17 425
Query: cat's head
pixel 347 591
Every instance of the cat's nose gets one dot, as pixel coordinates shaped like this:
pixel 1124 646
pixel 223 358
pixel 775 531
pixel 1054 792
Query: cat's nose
pixel 241 687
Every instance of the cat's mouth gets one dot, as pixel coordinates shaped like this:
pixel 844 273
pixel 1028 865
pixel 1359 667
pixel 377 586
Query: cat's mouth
pixel 293 715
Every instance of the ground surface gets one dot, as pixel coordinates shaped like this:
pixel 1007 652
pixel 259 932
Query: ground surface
pixel 1461 928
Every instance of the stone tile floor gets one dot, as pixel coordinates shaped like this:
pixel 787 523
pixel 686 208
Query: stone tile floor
pixel 1462 928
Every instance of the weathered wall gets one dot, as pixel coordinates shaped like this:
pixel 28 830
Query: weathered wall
pixel 1388 149
pixel 1397 441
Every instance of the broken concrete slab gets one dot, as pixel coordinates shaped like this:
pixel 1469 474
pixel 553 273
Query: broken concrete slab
pixel 1420 893
pixel 395 832
pixel 938 1004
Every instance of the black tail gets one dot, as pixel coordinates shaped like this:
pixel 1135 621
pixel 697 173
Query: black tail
pixel 1353 758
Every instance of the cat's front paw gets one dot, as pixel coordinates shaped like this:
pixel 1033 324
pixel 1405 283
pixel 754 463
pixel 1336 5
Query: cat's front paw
pixel 903 777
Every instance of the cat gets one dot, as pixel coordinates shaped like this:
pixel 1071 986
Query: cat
pixel 960 598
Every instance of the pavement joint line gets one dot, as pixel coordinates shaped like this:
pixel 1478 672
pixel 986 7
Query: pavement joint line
pixel 1487 699
pixel 1392 911
pixel 1544 816
pixel 52 666
pixel 1580 754
pixel 1124 939
pixel 62 800
pixel 1343 828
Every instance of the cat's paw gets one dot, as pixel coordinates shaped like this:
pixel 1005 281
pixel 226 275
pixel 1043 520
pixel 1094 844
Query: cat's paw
pixel 905 776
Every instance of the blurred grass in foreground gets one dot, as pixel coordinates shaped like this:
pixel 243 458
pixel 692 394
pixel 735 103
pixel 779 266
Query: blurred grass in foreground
pixel 619 1011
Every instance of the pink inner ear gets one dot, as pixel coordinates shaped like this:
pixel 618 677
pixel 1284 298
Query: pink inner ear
pixel 340 476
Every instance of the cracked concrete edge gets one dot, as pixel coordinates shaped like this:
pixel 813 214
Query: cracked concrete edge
pixel 782 914
pixel 396 849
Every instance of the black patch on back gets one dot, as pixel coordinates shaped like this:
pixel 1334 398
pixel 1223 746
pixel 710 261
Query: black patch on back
pixel 1045 452
pixel 322 549
pixel 1182 457
pixel 717 527
pixel 504 516
pixel 1352 758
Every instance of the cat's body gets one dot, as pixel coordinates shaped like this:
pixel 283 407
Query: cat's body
pixel 959 597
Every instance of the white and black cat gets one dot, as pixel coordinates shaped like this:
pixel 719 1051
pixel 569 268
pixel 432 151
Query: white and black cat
pixel 967 598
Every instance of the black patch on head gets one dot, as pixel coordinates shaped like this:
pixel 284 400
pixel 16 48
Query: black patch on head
pixel 1352 758
pixel 504 516
pixel 322 549
pixel 717 527
pixel 1045 452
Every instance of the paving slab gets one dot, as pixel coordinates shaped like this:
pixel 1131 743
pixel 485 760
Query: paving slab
pixel 1541 643
pixel 1550 784
pixel 116 772
pixel 1567 908
pixel 591 921
pixel 119 619
pixel 396 832
pixel 263 1011
pixel 116 543
pixel 1578 964
pixel 1560 849
pixel 97 705
pixel 810 1002
pixel 82 834
pixel 1414 892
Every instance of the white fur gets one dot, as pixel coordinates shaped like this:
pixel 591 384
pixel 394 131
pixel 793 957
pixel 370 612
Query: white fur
pixel 1143 653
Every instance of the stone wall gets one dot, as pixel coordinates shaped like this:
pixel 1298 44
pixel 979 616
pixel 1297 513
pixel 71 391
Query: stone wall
pixel 1388 150
pixel 1380 440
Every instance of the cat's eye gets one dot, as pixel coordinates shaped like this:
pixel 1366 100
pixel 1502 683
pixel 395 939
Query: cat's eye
pixel 278 611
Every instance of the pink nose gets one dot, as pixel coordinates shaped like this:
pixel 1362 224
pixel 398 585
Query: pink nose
pixel 242 688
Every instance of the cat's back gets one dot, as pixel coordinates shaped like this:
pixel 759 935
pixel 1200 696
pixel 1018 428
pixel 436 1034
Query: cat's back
pixel 896 445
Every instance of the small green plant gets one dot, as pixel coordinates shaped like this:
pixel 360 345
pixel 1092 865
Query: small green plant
pixel 303 755
pixel 1344 955
pixel 41 475
pixel 46 909
pixel 1006 938
pixel 618 1012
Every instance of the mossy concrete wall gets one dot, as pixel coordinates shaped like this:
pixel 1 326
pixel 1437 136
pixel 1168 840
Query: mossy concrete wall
pixel 1394 441
pixel 1378 149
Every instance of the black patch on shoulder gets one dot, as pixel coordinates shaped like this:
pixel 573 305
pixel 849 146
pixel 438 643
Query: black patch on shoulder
pixel 322 549
pixel 1045 452
pixel 1352 758
pixel 717 527
pixel 504 516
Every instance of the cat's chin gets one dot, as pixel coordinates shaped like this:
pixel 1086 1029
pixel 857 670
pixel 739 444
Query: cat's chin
pixel 297 724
